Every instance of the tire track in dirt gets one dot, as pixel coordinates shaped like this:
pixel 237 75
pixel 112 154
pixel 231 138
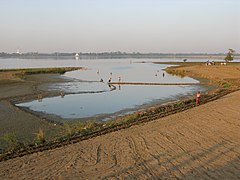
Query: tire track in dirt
pixel 139 157
pixel 98 154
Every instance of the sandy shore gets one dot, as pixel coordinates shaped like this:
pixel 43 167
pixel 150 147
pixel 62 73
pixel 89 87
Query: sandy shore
pixel 199 143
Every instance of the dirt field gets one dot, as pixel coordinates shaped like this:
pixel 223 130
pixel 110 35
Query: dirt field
pixel 199 143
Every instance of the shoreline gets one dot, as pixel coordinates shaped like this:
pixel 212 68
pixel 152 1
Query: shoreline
pixel 200 142
pixel 53 119
pixel 13 120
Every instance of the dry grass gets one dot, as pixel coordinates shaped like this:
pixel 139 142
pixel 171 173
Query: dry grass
pixel 40 135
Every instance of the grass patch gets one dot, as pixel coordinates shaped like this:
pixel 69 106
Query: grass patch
pixel 11 140
pixel 176 72
pixel 68 129
pixel 224 84
pixel 79 127
pixel 21 73
pixel 47 70
pixel 130 117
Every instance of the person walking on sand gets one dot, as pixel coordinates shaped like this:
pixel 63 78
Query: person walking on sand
pixel 198 98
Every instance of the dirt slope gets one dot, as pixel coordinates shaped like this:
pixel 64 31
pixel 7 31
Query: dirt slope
pixel 202 142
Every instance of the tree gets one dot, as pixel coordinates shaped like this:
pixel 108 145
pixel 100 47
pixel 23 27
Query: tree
pixel 229 56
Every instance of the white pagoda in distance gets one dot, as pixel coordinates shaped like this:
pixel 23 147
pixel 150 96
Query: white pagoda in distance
pixel 18 51
pixel 77 56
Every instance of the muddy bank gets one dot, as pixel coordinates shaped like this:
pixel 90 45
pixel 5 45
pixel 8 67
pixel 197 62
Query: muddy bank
pixel 14 120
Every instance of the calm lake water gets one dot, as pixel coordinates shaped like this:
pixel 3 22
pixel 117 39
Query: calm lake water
pixel 89 97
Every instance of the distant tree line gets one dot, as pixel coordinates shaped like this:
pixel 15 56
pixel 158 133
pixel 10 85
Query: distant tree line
pixel 114 55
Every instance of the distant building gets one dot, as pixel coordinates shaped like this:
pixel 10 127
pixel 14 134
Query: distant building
pixel 77 56
pixel 18 51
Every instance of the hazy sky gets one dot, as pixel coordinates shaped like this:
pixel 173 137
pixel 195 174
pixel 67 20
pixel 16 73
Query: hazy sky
pixel 209 26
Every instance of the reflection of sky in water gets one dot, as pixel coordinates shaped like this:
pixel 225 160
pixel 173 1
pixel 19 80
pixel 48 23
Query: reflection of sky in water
pixel 80 87
pixel 126 97
pixel 128 72
pixel 90 104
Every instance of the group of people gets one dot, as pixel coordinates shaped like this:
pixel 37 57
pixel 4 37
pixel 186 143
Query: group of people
pixel 110 79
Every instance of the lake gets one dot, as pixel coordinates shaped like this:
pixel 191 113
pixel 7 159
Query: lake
pixel 91 98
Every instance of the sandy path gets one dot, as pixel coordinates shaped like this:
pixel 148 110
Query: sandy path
pixel 200 143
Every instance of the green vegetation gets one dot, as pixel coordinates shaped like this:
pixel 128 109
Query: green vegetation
pixel 41 70
pixel 90 124
pixel 10 139
pixel 48 70
pixel 224 84
pixel 21 73
pixel 71 128
pixel 79 126
pixel 68 129
pixel 130 117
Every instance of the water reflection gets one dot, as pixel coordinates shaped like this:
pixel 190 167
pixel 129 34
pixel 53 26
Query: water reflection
pixel 125 72
pixel 93 104
pixel 80 87
pixel 93 94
